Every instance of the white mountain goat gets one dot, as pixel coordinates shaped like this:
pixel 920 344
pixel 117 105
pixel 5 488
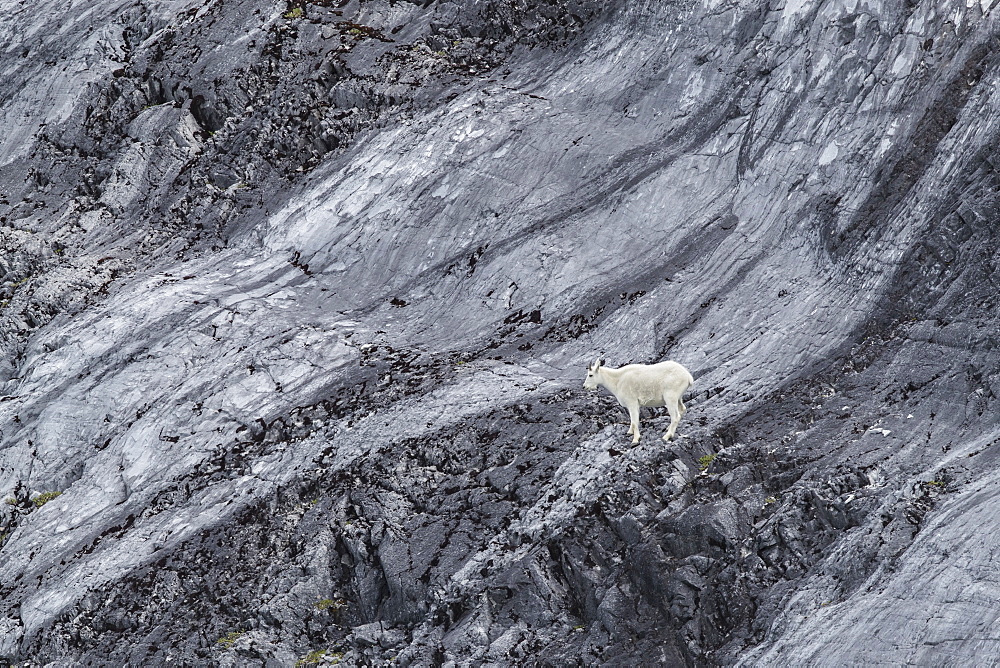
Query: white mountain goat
pixel 636 385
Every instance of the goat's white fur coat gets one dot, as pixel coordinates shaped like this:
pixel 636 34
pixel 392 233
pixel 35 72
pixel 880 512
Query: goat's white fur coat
pixel 636 385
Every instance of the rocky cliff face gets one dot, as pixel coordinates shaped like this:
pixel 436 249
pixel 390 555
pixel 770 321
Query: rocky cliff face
pixel 297 300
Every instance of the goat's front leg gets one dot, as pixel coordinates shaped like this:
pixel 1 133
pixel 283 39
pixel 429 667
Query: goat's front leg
pixel 633 415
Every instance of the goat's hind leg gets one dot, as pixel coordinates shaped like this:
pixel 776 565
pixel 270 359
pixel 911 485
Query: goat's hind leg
pixel 676 409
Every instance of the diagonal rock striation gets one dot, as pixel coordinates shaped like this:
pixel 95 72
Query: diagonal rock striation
pixel 296 301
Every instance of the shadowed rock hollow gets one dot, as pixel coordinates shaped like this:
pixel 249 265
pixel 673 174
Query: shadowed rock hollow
pixel 297 300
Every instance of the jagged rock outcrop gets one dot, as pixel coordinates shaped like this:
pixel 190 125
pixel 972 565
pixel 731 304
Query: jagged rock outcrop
pixel 297 300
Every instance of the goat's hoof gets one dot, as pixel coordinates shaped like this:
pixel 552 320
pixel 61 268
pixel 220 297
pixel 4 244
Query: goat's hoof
pixel 667 437
pixel 634 441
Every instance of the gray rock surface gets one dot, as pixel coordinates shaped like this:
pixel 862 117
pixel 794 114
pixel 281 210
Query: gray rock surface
pixel 297 300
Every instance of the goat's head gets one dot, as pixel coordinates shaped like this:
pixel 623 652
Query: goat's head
pixel 592 378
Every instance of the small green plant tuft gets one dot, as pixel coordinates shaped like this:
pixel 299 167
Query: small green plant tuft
pixel 706 461
pixel 10 501
pixel 769 500
pixel 230 638
pixel 44 498
pixel 937 483
pixel 316 656
pixel 330 604
pixel 296 13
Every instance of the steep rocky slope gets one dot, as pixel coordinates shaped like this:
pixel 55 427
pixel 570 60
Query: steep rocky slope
pixel 297 300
